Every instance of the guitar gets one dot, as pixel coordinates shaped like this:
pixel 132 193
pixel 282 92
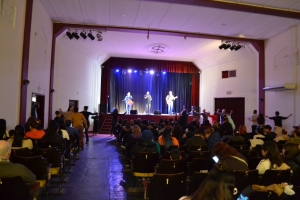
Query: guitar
pixel 169 100
pixel 129 102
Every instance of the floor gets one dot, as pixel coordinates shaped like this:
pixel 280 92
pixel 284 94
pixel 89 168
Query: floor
pixel 99 174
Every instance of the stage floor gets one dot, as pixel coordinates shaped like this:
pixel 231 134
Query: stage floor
pixel 152 117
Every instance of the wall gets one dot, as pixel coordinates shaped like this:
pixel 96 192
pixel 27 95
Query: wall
pixel 282 66
pixel 243 85
pixel 11 40
pixel 39 57
pixel 74 78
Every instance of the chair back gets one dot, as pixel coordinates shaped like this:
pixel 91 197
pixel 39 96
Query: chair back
pixel 52 155
pixel 171 166
pixel 195 182
pixel 295 179
pixel 275 177
pixel 239 147
pixel 248 153
pixel 167 186
pixel 37 165
pixel 200 164
pixel 172 147
pixel 24 152
pixel 14 188
pixel 243 178
pixel 198 154
pixel 145 162
pixel 253 162
pixel 167 155
pixel 197 148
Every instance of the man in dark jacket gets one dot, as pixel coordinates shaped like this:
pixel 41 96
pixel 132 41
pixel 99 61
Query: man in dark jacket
pixel 197 140
pixel 269 135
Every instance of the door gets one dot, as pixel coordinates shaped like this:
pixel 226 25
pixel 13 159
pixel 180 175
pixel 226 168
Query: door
pixel 74 103
pixel 237 105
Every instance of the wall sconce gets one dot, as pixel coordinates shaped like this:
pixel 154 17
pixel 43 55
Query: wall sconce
pixel 52 90
pixel 228 92
pixel 26 82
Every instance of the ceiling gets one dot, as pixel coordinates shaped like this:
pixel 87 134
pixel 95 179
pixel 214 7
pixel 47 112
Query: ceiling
pixel 161 15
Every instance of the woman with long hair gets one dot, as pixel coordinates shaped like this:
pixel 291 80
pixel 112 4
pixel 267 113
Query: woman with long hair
pixel 229 155
pixel 18 140
pixel 166 139
pixel 177 131
pixel 271 158
pixel 219 184
pixel 28 122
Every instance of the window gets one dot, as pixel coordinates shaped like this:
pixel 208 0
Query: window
pixel 229 74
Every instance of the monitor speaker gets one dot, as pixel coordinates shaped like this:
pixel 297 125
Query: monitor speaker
pixel 157 112
pixel 133 112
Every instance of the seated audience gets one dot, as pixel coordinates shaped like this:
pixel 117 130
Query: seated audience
pixel 63 132
pixel 296 137
pixel 70 130
pixel 34 133
pixel 27 124
pixel 152 128
pixel 271 158
pixel 132 139
pixel 3 132
pixel 11 134
pixel 18 140
pixel 269 134
pixel 175 154
pixel 226 127
pixel 197 140
pixel 59 118
pixel 52 138
pixel 146 144
pixel 291 154
pixel 229 155
pixel 166 139
pixel 282 137
pixel 211 137
pixel 177 131
pixel 236 139
pixel 219 184
pixel 126 131
pixel 8 169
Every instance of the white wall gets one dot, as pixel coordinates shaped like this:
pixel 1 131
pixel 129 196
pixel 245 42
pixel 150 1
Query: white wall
pixel 74 78
pixel 39 56
pixel 243 85
pixel 282 66
pixel 11 40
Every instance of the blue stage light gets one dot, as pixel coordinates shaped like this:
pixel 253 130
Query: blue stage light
pixel 151 72
pixel 135 71
pixel 117 70
pixel 129 71
pixel 164 72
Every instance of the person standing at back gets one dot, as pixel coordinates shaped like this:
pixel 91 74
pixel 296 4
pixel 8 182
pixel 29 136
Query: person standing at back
pixel 78 120
pixel 253 119
pixel 87 114
pixel 278 119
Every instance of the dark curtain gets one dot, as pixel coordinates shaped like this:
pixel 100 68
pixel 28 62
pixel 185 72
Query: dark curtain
pixel 237 105
pixel 158 86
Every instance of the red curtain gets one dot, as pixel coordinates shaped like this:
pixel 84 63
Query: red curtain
pixel 195 91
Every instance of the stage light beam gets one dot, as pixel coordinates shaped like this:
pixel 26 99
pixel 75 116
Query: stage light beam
pixel 151 72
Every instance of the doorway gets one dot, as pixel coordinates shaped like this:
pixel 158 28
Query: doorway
pixel 38 101
pixel 237 105
pixel 74 103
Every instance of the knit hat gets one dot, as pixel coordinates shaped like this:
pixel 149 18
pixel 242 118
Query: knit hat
pixel 147 136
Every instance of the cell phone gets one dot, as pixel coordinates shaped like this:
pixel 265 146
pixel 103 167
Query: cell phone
pixel 216 159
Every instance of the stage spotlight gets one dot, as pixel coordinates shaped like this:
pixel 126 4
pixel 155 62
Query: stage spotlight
pixel 238 47
pixel 90 35
pixel 222 46
pixel 69 34
pixel 151 72
pixel 123 71
pixel 227 46
pixel 75 35
pixel 83 34
pixel 117 70
pixel 135 71
pixel 129 71
pixel 99 36
pixel 147 72
pixel 232 47
pixel 141 72
pixel 164 72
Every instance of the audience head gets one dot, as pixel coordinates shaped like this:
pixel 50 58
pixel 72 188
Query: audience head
pixel 136 129
pixel 267 128
pixel 260 130
pixel 297 133
pixel 175 154
pixel 11 132
pixel 223 150
pixel 30 119
pixel 71 108
pixel 85 107
pixel 18 136
pixel 2 128
pixel 219 184
pixel 68 123
pixel 216 124
pixel 277 113
pixel 197 132
pixel 189 134
pixel 242 129
pixel 284 131
pixel 290 150
pixel 76 109
pixel 5 149
pixel 147 136
pixel 128 125
pixel 254 111
pixel 52 129
pixel 57 113
pixel 33 125
pixel 208 132
pixel 269 150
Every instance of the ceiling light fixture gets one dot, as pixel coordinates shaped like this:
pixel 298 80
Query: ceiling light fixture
pixel 75 35
pixel 99 36
pixel 231 45
pixel 83 34
pixel 69 34
pixel 90 35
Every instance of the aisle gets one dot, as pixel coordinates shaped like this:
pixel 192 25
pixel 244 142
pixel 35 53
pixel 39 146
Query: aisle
pixel 98 174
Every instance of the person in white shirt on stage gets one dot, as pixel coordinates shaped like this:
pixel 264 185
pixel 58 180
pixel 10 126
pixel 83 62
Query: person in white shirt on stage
pixel 169 99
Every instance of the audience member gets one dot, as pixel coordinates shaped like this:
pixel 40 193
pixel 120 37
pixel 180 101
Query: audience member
pixel 253 119
pixel 132 139
pixel 226 127
pixel 69 112
pixel 126 131
pixel 211 137
pixel 78 120
pixel 58 117
pixel 278 119
pixel 86 114
pixel 63 131
pixel 205 125
pixel 282 137
pixel 18 140
pixel 260 120
pixel 146 144
pixel 34 133
pixel 219 184
pixel 177 131
pixel 3 132
pixel 197 140
pixel 152 128
pixel 175 154
pixel 28 122
pixel 236 138
pixel 296 137
pixel 271 158
pixel 291 155
pixel 166 139
pixel 229 155
pixel 269 135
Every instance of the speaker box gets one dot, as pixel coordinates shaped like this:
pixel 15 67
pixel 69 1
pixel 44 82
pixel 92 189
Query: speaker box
pixel 133 112
pixel 157 112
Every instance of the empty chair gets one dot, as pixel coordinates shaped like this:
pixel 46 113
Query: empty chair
pixel 14 188
pixel 248 153
pixel 243 178
pixel 171 166
pixel 167 186
pixel 200 164
pixel 24 152
pixel 198 154
pixel 275 177
pixel 253 162
pixel 195 181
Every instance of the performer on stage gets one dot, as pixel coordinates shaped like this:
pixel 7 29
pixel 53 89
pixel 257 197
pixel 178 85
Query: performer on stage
pixel 169 99
pixel 128 102
pixel 148 100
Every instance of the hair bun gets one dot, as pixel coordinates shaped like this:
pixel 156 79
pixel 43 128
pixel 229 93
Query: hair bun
pixel 221 166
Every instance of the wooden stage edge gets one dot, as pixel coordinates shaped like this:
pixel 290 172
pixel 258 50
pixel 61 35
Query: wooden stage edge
pixel 152 117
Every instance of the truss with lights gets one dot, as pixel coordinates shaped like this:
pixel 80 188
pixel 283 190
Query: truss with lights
pixel 231 45
pixel 83 34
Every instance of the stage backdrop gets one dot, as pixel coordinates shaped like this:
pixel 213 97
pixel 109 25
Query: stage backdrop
pixel 158 86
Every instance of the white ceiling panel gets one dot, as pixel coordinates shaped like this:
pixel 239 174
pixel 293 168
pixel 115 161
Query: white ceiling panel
pixel 288 4
pixel 95 12
pixel 256 2
pixel 176 16
pixel 50 11
pixel 123 13
pixel 150 14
